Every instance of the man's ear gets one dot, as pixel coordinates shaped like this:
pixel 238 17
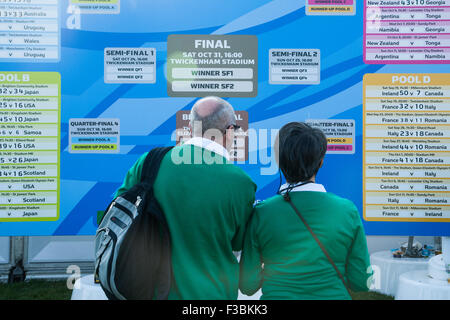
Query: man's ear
pixel 229 138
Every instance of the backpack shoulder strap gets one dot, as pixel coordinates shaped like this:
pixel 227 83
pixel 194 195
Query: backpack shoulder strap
pixel 149 173
pixel 152 163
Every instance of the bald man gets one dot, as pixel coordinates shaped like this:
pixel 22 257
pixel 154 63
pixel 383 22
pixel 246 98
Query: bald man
pixel 207 201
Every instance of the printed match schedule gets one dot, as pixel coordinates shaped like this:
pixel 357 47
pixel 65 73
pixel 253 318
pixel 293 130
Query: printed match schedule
pixel 29 31
pixel 294 66
pixel 94 135
pixel 406 31
pixel 340 134
pixel 29 145
pixel 97 6
pixel 406 166
pixel 130 65
pixel 204 65
pixel 331 7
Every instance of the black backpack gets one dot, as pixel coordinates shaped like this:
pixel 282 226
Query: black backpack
pixel 132 243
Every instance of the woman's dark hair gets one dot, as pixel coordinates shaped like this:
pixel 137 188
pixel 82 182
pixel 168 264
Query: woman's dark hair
pixel 301 149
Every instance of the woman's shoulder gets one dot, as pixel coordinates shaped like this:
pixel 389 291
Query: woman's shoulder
pixel 308 199
pixel 277 199
pixel 269 203
pixel 324 198
pixel 336 198
pixel 264 209
pixel 343 205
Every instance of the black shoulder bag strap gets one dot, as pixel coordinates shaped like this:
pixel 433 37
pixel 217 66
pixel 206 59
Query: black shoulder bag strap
pixel 287 198
pixel 149 173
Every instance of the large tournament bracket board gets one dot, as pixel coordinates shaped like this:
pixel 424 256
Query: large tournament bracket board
pixel 88 86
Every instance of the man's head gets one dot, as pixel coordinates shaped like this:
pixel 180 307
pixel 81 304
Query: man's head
pixel 301 150
pixel 213 118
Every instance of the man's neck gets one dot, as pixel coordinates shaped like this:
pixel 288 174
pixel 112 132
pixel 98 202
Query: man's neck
pixel 215 141
pixel 210 145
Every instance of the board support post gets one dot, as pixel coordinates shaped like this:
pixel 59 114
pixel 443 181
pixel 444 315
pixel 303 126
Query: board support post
pixel 409 249
pixel 17 271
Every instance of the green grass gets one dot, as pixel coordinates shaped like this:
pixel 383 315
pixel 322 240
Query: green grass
pixel 35 290
pixel 57 290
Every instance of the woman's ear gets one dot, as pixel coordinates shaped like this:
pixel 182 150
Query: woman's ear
pixel 321 163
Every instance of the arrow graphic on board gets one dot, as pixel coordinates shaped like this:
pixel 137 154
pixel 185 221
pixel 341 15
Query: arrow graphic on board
pixel 412 200
pixel 411 214
pixel 412 43
pixel 10 27
pixel 411 173
pixel 9 200
pixel 9 214
pixel 10 54
pixel 412 29
pixel 411 187
pixel 9 187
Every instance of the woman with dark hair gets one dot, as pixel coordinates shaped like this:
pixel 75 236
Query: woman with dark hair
pixel 304 243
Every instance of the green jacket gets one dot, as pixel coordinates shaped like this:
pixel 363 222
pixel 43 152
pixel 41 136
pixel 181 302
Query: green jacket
pixel 207 205
pixel 294 265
